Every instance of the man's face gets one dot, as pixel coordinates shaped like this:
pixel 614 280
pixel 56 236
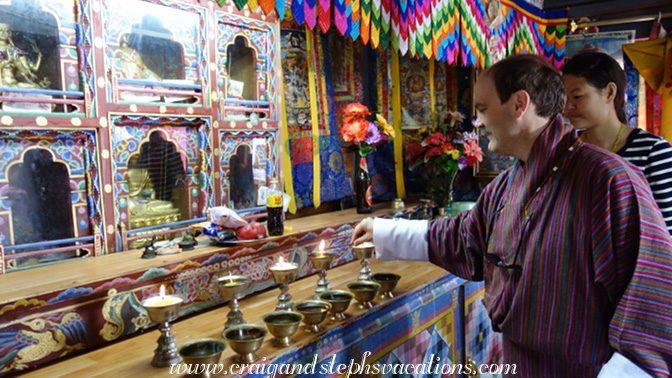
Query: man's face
pixel 496 116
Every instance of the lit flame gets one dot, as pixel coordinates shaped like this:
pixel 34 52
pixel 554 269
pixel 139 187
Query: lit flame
pixel 280 261
pixel 322 245
pixel 162 292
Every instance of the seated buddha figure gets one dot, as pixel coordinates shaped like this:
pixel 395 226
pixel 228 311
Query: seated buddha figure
pixel 144 210
pixel 16 69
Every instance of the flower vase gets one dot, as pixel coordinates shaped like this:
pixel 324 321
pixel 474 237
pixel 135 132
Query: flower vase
pixel 440 187
pixel 363 188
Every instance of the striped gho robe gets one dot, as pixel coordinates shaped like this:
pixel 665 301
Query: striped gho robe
pixel 593 273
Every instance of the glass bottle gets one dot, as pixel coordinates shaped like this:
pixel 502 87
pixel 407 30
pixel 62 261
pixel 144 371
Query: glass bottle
pixel 363 188
pixel 275 223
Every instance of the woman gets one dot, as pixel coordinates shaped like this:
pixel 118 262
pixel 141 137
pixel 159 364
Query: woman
pixel 595 85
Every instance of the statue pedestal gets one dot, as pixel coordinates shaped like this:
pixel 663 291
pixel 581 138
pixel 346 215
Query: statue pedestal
pixel 19 106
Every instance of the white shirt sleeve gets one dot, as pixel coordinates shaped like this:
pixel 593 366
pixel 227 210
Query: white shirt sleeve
pixel 619 366
pixel 401 239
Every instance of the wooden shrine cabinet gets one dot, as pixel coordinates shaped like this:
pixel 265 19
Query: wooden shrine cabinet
pixel 248 98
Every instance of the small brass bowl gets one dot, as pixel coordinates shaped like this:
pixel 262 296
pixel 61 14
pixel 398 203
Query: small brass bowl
pixel 339 300
pixel 388 282
pixel 364 251
pixel 397 204
pixel 314 312
pixel 245 340
pixel 232 286
pixel 202 352
pixel 282 325
pixel 365 292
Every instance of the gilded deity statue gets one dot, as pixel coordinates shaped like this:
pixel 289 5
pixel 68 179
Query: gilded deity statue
pixel 144 210
pixel 16 69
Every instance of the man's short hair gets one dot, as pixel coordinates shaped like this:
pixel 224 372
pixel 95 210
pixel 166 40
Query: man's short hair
pixel 534 75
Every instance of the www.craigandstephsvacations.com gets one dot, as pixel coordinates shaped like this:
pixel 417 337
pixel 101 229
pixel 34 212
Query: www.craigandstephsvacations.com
pixel 433 365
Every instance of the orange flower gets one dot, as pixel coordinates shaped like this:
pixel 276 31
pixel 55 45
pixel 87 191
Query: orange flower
pixel 355 130
pixel 354 111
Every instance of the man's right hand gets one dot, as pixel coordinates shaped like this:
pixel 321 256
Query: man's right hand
pixel 363 232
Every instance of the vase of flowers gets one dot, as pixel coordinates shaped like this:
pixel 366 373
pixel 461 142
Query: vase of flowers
pixel 441 152
pixel 366 135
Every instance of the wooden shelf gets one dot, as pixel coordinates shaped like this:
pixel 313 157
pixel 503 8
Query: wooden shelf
pixel 132 357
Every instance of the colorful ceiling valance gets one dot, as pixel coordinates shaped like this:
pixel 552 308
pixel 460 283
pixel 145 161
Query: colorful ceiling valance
pixel 472 32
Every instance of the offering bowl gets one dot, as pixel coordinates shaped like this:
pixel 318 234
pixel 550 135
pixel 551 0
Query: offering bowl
pixel 387 281
pixel 365 292
pixel 245 340
pixel 202 352
pixel 282 325
pixel 339 300
pixel 314 312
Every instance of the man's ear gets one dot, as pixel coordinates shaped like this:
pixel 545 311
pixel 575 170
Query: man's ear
pixel 521 101
pixel 610 90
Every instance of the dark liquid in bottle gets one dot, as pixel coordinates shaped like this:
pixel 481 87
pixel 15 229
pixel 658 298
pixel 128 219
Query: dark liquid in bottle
pixel 275 223
pixel 363 194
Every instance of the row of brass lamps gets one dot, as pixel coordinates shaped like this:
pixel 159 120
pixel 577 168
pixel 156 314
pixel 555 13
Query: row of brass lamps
pixel 246 339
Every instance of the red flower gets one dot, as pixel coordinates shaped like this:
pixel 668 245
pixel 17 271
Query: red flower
pixel 434 151
pixel 471 161
pixel 436 139
pixel 414 151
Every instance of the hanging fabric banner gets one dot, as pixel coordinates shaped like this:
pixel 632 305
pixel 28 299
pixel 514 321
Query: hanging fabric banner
pixel 324 14
pixel 375 23
pixel 297 11
pixel 267 6
pixel 403 26
pixel 533 31
pixel 354 16
pixel 280 8
pixel 411 28
pixel 340 16
pixel 365 21
pixel 310 13
pixel 385 23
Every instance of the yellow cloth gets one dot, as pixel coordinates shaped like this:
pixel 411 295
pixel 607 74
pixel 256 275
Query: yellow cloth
pixel 653 60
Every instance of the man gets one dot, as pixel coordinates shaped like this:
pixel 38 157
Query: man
pixel 573 250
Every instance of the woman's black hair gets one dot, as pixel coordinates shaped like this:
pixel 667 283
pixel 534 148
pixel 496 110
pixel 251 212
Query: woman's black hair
pixel 599 69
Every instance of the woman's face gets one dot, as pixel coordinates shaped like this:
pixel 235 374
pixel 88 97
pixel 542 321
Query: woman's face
pixel 586 105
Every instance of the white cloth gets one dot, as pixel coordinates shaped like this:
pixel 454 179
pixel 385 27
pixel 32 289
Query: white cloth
pixel 401 239
pixel 619 366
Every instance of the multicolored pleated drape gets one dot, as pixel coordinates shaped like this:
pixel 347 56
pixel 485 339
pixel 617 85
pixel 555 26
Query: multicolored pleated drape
pixel 532 31
pixel 443 30
pixel 312 145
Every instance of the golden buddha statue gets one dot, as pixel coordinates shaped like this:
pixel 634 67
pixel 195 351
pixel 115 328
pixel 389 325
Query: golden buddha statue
pixel 16 70
pixel 144 210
